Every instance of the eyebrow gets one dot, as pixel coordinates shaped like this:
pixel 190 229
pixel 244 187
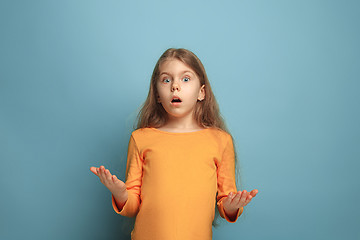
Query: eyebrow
pixel 186 71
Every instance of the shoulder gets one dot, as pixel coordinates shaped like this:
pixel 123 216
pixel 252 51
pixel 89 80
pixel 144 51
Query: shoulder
pixel 222 134
pixel 141 132
pixel 220 137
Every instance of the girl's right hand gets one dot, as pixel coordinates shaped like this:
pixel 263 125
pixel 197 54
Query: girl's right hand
pixel 116 186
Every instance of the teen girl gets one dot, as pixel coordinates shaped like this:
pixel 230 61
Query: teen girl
pixel 181 160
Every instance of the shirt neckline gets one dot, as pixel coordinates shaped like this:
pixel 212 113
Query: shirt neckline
pixel 178 133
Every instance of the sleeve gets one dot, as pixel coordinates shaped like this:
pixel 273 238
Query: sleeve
pixel 133 182
pixel 226 178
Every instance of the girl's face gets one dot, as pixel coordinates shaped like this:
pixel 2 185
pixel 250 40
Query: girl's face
pixel 178 80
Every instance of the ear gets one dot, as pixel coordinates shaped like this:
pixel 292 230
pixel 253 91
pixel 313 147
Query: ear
pixel 202 93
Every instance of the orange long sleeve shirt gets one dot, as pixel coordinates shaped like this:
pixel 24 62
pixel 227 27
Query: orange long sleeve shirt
pixel 172 181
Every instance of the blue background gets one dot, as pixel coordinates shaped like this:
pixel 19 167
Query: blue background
pixel 285 74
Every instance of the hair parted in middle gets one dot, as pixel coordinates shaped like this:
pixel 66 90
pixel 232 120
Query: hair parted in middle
pixel 206 113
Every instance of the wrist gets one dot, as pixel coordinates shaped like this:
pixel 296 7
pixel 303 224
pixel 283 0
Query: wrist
pixel 121 195
pixel 231 212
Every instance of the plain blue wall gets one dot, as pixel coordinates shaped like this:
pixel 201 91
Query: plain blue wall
pixel 285 73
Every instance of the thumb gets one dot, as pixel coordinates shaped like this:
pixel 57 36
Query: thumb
pixel 115 179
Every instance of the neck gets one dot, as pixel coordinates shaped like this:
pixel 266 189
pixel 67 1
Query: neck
pixel 186 122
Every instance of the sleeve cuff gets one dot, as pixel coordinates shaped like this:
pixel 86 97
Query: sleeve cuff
pixel 115 207
pixel 130 209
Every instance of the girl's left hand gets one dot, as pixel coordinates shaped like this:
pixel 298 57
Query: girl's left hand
pixel 235 201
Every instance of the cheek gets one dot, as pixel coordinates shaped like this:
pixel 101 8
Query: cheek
pixel 161 92
pixel 194 92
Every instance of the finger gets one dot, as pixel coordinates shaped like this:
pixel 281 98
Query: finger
pixel 102 173
pixel 243 197
pixel 108 175
pixel 114 179
pixel 254 192
pixel 244 194
pixel 248 199
pixel 229 198
pixel 93 170
pixel 237 197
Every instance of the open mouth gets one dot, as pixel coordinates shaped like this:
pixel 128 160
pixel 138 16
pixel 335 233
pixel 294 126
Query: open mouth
pixel 176 100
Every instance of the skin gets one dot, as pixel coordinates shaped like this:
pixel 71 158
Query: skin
pixel 176 78
pixel 115 185
pixel 234 201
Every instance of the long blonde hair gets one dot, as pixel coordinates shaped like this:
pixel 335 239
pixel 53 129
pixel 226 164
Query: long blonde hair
pixel 207 113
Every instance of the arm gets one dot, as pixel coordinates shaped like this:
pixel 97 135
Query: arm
pixel 130 208
pixel 233 202
pixel 125 196
pixel 116 186
pixel 230 206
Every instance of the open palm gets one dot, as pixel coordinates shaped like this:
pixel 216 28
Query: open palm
pixel 115 185
pixel 235 201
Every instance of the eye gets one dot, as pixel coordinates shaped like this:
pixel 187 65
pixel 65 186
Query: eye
pixel 166 80
pixel 186 79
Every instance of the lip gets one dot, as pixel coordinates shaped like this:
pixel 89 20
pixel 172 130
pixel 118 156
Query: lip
pixel 175 103
pixel 175 97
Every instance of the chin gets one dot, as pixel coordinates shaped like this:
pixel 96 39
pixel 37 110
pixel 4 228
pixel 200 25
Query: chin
pixel 178 114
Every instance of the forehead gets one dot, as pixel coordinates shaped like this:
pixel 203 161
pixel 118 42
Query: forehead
pixel 174 67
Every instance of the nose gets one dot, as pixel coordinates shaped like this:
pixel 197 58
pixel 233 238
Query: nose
pixel 175 86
